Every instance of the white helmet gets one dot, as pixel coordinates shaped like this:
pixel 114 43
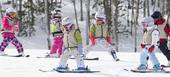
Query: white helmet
pixel 10 10
pixel 67 20
pixel 100 15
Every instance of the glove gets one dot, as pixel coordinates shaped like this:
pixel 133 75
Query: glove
pixel 151 49
pixel 162 40
pixel 15 28
pixel 144 30
pixel 142 45
pixel 92 39
pixel 108 39
pixel 167 30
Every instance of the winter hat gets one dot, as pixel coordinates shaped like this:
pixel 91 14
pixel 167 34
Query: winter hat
pixel 100 15
pixel 156 14
pixel 67 21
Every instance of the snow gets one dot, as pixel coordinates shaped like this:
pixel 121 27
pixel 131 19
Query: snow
pixel 29 67
pixel 37 46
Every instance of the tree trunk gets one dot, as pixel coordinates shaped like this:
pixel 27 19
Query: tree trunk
pixel 81 10
pixel 163 7
pixel 87 21
pixel 148 8
pixel 144 8
pixel 108 13
pixel 128 19
pixel 136 24
pixel 32 19
pixel 47 23
pixel 116 23
pixel 132 14
pixel 168 9
pixel 75 11
pixel 13 3
pixel 20 16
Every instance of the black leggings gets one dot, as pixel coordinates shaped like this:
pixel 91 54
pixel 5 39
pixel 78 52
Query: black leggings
pixel 164 49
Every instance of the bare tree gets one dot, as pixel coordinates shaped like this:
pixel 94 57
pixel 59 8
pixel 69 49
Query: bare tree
pixel 75 11
pixel 87 21
pixel 107 8
pixel 132 14
pixel 20 15
pixel 144 8
pixel 168 8
pixel 81 10
pixel 148 7
pixel 136 24
pixel 47 23
pixel 116 3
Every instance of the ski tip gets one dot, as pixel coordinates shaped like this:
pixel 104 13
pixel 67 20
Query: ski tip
pixel 164 66
pixel 27 56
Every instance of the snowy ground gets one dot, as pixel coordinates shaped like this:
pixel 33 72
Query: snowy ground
pixel 28 67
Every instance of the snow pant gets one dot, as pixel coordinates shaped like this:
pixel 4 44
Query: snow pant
pixel 152 57
pixel 14 41
pixel 164 49
pixel 57 45
pixel 68 52
pixel 103 45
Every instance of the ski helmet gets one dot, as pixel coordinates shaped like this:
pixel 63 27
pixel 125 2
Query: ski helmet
pixel 9 10
pixel 100 15
pixel 55 14
pixel 66 21
pixel 156 14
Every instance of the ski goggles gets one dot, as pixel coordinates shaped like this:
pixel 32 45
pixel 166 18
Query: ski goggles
pixel 59 17
pixel 12 14
pixel 67 26
pixel 99 19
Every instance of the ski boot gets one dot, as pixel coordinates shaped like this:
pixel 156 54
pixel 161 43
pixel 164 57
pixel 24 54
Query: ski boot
pixel 52 56
pixel 21 54
pixel 61 69
pixel 81 69
pixel 3 54
pixel 142 67
pixel 113 53
pixel 156 67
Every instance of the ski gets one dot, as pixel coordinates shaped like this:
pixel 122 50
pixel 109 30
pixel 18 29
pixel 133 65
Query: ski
pixel 43 70
pixel 68 71
pixel 147 71
pixel 75 71
pixel 165 66
pixel 17 56
pixel 46 57
pixel 96 58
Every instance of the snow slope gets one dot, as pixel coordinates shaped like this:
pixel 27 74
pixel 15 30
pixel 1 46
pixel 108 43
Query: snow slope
pixel 28 67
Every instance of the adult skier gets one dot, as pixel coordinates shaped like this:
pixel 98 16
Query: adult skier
pixel 164 30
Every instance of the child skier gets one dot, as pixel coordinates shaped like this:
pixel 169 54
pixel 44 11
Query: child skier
pixel 164 30
pixel 73 46
pixel 149 44
pixel 9 27
pixel 100 35
pixel 55 28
